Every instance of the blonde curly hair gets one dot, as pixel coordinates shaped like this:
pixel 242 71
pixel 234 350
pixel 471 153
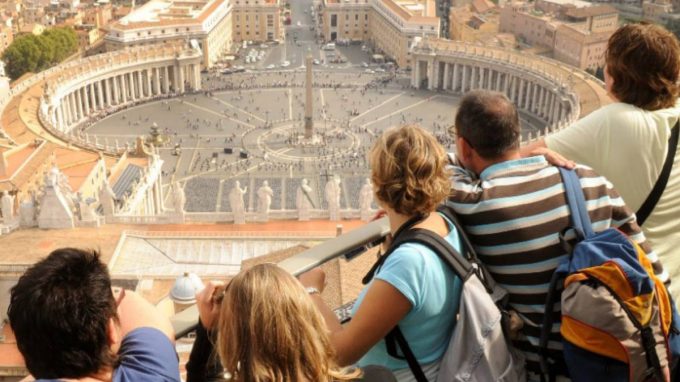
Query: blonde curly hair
pixel 409 170
pixel 269 330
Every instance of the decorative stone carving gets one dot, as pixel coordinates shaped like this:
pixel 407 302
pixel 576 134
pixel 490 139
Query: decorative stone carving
pixel 236 203
pixel 107 199
pixel 264 201
pixel 366 200
pixel 55 210
pixel 178 199
pixel 303 200
pixel 332 192
pixel 7 207
pixel 27 211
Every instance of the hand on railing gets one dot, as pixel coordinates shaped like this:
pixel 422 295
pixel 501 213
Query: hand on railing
pixel 208 302
pixel 315 278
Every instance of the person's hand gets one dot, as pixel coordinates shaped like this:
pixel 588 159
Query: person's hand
pixel 385 245
pixel 379 215
pixel 315 278
pixel 207 303
pixel 553 158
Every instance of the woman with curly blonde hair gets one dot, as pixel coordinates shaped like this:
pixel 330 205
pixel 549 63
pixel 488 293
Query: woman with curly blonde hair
pixel 268 330
pixel 413 288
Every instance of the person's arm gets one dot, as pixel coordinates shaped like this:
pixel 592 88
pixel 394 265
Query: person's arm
pixel 539 148
pixel 199 367
pixel 526 150
pixel 623 218
pixel 380 311
pixel 135 312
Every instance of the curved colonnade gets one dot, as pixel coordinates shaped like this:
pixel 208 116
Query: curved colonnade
pixel 548 90
pixel 94 87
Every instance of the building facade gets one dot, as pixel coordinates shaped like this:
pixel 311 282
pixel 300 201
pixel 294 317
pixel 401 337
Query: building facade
pixel 257 20
pixel 390 25
pixel 208 22
pixel 575 31
pixel 394 24
pixel 345 20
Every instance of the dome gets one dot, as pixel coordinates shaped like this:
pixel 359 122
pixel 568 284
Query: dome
pixel 185 288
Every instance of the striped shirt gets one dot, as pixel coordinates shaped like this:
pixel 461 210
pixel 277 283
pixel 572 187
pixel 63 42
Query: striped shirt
pixel 513 214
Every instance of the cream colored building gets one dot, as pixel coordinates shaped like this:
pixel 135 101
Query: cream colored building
pixel 209 22
pixel 390 25
pixel 576 31
pixel 475 22
pixel 257 20
pixel 347 20
pixel 394 24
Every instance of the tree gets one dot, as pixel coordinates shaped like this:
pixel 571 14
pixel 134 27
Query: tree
pixel 32 53
pixel 673 25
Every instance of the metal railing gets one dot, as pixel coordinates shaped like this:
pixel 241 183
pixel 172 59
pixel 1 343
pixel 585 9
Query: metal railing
pixel 348 245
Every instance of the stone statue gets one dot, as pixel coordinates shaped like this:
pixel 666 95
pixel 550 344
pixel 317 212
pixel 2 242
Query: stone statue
pixel 264 201
pixel 56 208
pixel 7 207
pixel 366 200
pixel 236 203
pixel 107 199
pixel 178 199
pixel 332 192
pixel 85 210
pixel 303 200
pixel 27 211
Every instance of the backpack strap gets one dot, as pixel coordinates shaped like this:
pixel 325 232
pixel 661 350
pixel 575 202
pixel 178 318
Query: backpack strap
pixel 455 261
pixel 396 338
pixel 580 220
pixel 648 206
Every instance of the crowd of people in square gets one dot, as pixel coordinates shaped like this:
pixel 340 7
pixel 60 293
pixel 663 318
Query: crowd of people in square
pixel 510 205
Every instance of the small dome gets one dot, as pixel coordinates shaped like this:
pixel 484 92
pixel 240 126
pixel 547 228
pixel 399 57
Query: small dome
pixel 185 288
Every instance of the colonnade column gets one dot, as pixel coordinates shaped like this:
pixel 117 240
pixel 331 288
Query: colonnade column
pixel 86 98
pixel 157 81
pixel 79 103
pixel 464 84
pixel 197 77
pixel 447 76
pixel 166 80
pixel 123 88
pixel 456 75
pixel 182 88
pixel 520 97
pixel 116 92
pixel 72 108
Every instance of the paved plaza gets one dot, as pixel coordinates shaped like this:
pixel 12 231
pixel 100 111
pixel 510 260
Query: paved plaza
pixel 246 128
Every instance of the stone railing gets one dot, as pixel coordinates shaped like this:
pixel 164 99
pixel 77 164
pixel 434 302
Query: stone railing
pixel 227 217
pixel 350 244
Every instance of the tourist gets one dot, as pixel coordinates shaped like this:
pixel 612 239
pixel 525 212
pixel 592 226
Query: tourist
pixel 268 330
pixel 413 288
pixel 70 325
pixel 627 141
pixel 514 209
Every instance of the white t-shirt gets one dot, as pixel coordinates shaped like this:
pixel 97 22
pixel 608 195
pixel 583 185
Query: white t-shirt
pixel 628 146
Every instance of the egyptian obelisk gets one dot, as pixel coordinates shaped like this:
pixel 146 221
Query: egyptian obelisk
pixel 309 124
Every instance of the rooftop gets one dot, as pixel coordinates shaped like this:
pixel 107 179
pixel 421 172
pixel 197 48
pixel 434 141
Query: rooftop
pixel 169 12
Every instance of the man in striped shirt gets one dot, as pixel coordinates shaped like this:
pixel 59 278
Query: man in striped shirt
pixel 513 210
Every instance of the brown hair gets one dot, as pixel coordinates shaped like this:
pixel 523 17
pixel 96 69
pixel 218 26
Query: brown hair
pixel 408 170
pixel 269 330
pixel 644 62
pixel 489 122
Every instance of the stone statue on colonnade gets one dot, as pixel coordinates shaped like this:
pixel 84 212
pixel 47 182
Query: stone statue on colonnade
pixel 264 201
pixel 303 200
pixel 236 203
pixel 366 200
pixel 332 192
pixel 7 207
